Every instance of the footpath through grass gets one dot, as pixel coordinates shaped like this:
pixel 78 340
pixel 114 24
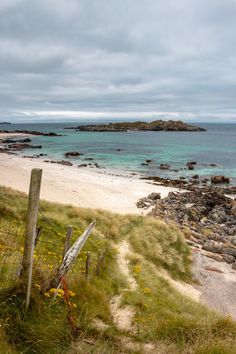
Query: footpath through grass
pixel 165 318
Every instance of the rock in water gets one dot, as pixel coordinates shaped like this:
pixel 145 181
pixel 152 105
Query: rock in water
pixel 73 154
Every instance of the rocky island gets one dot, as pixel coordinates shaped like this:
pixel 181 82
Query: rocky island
pixel 157 125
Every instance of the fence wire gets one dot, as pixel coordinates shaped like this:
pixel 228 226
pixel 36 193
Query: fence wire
pixel 48 253
pixel 11 250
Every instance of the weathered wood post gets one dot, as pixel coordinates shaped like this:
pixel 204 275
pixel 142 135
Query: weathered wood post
pixel 101 257
pixel 98 263
pixel 71 256
pixel 87 265
pixel 68 240
pixel 30 233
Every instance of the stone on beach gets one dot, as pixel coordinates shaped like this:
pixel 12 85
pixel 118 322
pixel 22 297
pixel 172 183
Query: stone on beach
pixel 220 179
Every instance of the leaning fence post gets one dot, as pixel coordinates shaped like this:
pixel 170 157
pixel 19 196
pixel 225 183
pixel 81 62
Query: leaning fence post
pixel 68 239
pixel 71 256
pixel 87 265
pixel 30 233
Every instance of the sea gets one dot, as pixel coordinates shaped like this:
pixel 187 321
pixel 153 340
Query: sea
pixel 128 151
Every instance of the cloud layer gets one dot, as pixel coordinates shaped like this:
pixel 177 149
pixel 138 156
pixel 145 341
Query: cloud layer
pixel 85 58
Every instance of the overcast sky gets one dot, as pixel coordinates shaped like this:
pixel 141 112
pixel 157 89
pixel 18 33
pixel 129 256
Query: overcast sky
pixel 109 58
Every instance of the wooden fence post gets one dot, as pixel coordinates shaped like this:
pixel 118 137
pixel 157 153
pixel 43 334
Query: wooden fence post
pixel 98 263
pixel 71 256
pixel 68 240
pixel 101 257
pixel 87 265
pixel 30 233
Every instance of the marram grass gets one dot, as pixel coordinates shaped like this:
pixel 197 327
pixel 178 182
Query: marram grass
pixel 174 323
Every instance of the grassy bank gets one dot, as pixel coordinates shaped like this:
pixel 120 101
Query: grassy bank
pixel 163 317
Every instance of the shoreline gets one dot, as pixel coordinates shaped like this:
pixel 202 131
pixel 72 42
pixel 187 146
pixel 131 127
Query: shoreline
pixel 80 187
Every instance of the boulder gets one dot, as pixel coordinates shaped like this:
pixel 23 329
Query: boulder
pixel 73 154
pixel 18 146
pixel 229 250
pixel 9 141
pixel 63 162
pixel 154 196
pixel 219 179
pixel 228 258
pixel 164 166
pixel 142 203
pixel 35 147
pixel 26 140
pixel 212 246
pixel 190 165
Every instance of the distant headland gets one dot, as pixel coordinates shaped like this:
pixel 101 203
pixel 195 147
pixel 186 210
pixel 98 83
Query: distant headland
pixel 5 123
pixel 157 125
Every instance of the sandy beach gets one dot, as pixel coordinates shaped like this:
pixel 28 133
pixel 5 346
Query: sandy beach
pixel 97 189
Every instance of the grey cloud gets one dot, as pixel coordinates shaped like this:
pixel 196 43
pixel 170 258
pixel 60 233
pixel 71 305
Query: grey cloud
pixel 108 56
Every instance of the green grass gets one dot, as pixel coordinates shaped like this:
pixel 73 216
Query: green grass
pixel 163 314
pixel 164 317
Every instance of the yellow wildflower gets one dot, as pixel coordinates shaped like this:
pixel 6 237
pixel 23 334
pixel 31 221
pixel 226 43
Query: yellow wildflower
pixel 71 293
pixel 146 291
pixel 137 269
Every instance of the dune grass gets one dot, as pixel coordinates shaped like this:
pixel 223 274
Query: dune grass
pixel 163 314
pixel 173 322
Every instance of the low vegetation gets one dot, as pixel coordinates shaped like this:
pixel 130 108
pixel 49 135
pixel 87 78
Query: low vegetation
pixel 78 319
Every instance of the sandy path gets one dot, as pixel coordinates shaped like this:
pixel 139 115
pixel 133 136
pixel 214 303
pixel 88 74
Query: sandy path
pixel 123 315
pixel 77 186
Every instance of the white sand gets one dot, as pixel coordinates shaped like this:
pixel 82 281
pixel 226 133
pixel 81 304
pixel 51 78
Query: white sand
pixel 77 186
pixel 13 135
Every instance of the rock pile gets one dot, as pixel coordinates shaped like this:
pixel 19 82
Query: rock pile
pixel 210 217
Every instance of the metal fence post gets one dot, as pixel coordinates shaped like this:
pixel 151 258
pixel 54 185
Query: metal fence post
pixel 30 233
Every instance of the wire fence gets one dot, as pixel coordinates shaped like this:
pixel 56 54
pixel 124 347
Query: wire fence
pixel 48 252
pixel 36 251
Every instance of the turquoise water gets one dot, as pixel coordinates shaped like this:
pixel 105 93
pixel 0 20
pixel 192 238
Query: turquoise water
pixel 217 145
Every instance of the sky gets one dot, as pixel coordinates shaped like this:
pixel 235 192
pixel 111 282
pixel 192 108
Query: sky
pixel 144 59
